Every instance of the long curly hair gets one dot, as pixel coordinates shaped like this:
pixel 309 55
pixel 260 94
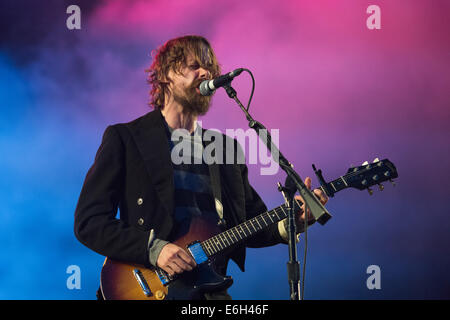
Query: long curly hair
pixel 172 56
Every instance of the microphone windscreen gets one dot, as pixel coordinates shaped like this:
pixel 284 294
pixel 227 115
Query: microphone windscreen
pixel 204 88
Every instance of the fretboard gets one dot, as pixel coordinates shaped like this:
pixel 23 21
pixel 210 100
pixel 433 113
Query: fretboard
pixel 336 185
pixel 245 230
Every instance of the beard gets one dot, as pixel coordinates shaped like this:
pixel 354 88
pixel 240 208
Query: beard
pixel 192 101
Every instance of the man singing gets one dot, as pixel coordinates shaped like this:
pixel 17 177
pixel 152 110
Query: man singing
pixel 158 199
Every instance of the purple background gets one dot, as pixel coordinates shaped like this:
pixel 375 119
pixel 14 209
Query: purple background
pixel 338 92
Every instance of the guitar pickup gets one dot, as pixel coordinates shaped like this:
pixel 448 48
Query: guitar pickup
pixel 141 280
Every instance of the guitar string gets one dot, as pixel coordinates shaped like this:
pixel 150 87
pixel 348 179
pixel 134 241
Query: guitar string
pixel 217 240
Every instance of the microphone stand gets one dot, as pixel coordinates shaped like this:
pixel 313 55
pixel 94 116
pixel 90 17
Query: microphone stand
pixel 293 183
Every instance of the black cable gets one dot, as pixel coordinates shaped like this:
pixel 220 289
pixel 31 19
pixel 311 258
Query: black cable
pixel 253 88
pixel 302 285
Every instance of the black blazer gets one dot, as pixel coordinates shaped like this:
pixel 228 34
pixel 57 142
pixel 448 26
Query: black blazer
pixel 133 172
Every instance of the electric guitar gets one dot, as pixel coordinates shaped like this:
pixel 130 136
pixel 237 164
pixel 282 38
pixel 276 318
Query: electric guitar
pixel 204 241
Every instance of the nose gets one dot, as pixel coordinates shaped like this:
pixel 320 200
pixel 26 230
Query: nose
pixel 204 73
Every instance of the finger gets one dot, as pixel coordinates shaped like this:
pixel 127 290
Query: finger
pixel 299 202
pixel 321 195
pixel 184 266
pixel 169 270
pixel 308 182
pixel 187 258
pixel 175 267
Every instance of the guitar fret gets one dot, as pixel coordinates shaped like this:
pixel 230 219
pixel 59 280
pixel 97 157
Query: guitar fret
pixel 226 239
pixel 235 231
pixel 277 214
pixel 234 235
pixel 256 219
pixel 285 214
pixel 206 247
pixel 253 225
pixel 239 231
pixel 333 186
pixel 243 231
pixel 211 249
pixel 229 234
pixel 226 242
pixel 217 241
pixel 213 244
pixel 222 244
pixel 264 220
pixel 246 224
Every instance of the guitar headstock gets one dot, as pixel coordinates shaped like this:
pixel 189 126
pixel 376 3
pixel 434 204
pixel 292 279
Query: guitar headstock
pixel 370 174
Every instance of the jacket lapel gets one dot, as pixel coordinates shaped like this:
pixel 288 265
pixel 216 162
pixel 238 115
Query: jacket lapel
pixel 151 139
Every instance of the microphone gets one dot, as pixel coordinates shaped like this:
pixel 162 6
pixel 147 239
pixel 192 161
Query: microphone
pixel 207 87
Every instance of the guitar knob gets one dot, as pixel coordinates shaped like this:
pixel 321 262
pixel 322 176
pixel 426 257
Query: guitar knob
pixel 160 295
pixel 381 187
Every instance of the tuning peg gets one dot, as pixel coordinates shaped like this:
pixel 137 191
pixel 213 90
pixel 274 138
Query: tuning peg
pixel 370 191
pixel 375 160
pixel 392 181
pixel 381 187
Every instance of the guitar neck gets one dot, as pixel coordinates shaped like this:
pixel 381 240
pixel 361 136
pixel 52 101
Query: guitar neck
pixel 243 231
pixel 249 228
pixel 336 185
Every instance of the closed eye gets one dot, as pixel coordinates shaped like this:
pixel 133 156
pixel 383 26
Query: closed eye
pixel 194 66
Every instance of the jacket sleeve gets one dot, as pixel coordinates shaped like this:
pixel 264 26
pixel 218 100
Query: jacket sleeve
pixel 96 225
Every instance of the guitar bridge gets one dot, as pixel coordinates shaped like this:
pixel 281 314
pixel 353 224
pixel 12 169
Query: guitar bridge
pixel 163 276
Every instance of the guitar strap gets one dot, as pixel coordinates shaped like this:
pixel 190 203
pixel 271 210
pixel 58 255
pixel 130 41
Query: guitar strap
pixel 214 174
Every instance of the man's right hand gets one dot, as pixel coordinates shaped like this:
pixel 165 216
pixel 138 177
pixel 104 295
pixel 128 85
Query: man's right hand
pixel 173 259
